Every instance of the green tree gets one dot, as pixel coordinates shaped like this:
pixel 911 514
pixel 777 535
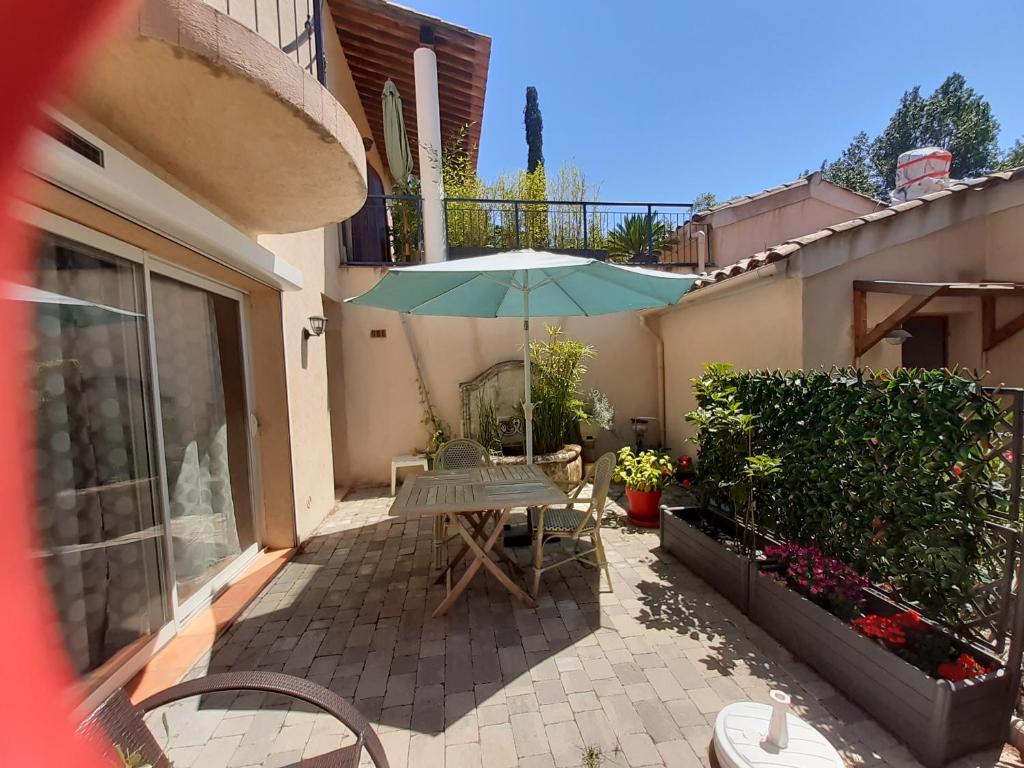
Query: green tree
pixel 534 130
pixel 704 201
pixel 954 117
pixel 1014 157
pixel 853 168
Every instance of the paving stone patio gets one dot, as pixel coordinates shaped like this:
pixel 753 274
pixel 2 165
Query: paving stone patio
pixel 639 672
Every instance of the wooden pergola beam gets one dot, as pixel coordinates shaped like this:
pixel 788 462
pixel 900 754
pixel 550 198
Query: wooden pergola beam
pixel 993 335
pixel 864 339
pixel 904 288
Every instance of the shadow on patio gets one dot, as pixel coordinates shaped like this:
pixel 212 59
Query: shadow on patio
pixel 640 672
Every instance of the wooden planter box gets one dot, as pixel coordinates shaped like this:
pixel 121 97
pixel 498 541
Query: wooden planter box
pixel 725 571
pixel 938 720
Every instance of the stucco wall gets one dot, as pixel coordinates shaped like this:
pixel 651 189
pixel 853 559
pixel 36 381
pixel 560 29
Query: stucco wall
pixel 383 409
pixel 316 390
pixel 740 239
pixel 952 254
pixel 756 325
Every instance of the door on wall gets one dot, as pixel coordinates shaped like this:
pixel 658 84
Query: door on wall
pixel 101 534
pixel 144 485
pixel 926 347
pixel 368 239
pixel 203 419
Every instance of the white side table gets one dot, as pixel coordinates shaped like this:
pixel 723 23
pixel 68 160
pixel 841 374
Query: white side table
pixel 406 460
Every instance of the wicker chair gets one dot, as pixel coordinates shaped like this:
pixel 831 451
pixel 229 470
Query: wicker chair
pixel 460 453
pixel 570 523
pixel 120 723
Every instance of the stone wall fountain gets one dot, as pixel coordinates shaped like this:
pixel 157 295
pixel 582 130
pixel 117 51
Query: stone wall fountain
pixel 491 406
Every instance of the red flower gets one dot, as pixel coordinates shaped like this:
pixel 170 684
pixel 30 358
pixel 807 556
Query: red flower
pixel 958 470
pixel 964 668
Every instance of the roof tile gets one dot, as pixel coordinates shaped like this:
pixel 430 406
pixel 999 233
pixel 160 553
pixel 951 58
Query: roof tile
pixel 784 251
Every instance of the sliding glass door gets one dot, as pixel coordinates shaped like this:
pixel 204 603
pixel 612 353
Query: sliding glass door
pixel 144 483
pixel 203 416
pixel 100 527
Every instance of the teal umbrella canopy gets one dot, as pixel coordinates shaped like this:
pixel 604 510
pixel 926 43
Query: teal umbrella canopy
pixel 396 141
pixel 524 284
pixel 496 286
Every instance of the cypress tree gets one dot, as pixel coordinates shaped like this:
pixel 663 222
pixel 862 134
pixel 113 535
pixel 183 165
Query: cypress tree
pixel 534 127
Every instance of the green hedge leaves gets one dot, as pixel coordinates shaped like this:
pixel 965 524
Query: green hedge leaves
pixel 891 472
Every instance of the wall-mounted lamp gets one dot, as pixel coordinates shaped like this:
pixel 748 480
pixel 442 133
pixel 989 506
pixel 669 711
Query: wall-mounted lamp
pixel 897 337
pixel 317 324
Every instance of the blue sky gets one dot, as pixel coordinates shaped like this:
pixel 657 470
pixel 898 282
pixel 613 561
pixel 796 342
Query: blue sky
pixel 659 100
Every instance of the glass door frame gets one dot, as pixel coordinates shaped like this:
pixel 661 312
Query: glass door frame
pixel 185 609
pixel 177 615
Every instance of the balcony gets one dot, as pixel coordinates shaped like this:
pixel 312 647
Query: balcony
pixel 649 234
pixel 230 103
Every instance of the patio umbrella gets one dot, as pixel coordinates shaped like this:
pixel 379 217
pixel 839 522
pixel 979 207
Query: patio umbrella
pixel 396 142
pixel 524 284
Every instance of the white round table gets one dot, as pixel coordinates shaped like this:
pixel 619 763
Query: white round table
pixel 739 741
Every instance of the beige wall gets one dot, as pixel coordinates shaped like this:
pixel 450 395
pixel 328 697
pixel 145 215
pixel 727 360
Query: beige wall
pixel 750 326
pixel 316 389
pixel 745 237
pixel 770 320
pixel 382 406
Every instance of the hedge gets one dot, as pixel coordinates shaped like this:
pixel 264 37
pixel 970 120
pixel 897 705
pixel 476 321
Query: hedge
pixel 892 472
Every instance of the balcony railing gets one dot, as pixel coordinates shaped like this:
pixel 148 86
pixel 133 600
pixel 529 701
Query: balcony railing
pixel 295 26
pixel 388 230
pixel 636 233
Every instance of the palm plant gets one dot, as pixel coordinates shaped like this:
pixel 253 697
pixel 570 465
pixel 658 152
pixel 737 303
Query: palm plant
pixel 636 236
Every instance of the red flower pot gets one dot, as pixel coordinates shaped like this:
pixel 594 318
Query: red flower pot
pixel 643 507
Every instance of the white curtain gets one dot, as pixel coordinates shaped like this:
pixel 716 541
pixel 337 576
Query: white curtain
pixel 195 430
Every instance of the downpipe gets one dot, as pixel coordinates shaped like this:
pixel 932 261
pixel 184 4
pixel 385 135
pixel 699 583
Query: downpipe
pixel 660 356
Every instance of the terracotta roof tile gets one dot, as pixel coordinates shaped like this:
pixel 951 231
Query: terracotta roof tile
pixel 785 250
pixel 844 225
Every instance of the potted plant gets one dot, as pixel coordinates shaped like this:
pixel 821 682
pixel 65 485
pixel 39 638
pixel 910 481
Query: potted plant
pixel 645 474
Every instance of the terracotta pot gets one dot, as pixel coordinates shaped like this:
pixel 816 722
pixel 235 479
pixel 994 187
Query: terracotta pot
pixel 643 507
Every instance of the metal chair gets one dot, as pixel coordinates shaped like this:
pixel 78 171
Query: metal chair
pixel 460 453
pixel 571 523
pixel 119 723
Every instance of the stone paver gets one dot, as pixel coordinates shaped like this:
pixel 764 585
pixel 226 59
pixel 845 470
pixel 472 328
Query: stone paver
pixel 638 673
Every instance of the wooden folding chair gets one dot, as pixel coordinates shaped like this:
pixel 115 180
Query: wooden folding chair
pixel 571 523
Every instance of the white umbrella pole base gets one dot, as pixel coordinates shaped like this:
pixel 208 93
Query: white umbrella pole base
pixel 752 735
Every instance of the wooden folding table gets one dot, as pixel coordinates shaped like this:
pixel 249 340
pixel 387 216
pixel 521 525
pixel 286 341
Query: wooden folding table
pixel 477 503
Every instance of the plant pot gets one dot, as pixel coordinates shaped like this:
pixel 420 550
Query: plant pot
pixel 564 467
pixel 643 507
pixel 937 719
pixel 719 567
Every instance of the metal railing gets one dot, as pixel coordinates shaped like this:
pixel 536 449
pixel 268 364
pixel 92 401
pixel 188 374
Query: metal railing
pixel 387 230
pixel 294 26
pixel 636 233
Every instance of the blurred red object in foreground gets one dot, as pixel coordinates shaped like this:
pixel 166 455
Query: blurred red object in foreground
pixel 41 42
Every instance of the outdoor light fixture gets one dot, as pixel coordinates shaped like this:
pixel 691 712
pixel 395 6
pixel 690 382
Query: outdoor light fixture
pixel 317 323
pixel 640 424
pixel 897 337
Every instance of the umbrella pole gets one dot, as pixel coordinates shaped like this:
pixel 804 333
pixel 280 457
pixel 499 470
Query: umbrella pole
pixel 527 405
